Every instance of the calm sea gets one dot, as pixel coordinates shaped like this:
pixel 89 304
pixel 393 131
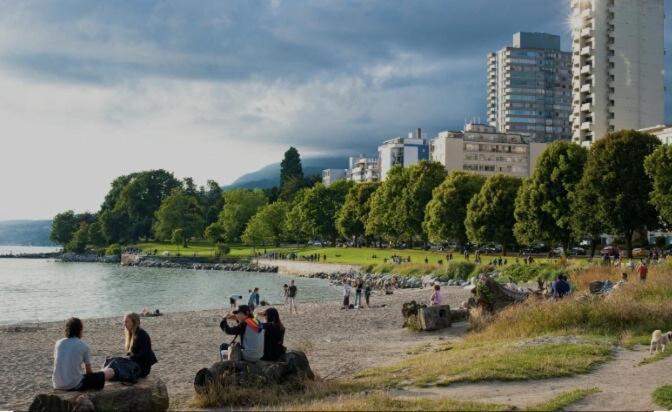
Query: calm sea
pixel 44 290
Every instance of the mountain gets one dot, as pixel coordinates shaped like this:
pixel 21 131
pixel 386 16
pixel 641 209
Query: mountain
pixel 269 176
pixel 25 232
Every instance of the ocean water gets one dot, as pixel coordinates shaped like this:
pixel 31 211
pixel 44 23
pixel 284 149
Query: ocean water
pixel 42 290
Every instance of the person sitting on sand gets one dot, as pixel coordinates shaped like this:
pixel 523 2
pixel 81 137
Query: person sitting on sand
pixel 250 331
pixel 138 344
pixel 436 298
pixel 274 335
pixel 69 354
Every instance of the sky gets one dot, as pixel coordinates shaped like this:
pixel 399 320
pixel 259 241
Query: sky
pixel 214 89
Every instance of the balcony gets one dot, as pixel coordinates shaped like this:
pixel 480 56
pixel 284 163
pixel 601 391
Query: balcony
pixel 586 51
pixel 587 107
pixel 586 14
pixel 586 88
pixel 587 126
pixel 587 69
pixel 587 32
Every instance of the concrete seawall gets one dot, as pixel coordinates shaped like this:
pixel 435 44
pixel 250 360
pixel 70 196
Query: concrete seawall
pixel 291 267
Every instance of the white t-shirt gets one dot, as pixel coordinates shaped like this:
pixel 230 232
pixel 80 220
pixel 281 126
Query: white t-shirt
pixel 69 354
pixel 346 290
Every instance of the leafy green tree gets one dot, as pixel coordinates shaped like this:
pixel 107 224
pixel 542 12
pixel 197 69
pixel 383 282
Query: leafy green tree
pixel 290 171
pixel 178 238
pixel 267 225
pixel 212 200
pixel 239 206
pixel 447 211
pixel 423 178
pixel 63 227
pixel 115 224
pixel 79 239
pixel 351 218
pixel 293 230
pixel 316 211
pixel 543 207
pixel 490 214
pixel 386 218
pixel 214 233
pixel 112 197
pixel 585 221
pixel 95 235
pixel 180 210
pixel 658 166
pixel 615 173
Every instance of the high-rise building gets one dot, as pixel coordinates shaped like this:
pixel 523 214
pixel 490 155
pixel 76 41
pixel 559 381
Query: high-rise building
pixel 617 66
pixel 363 169
pixel 482 149
pixel 530 87
pixel 402 152
pixel 331 176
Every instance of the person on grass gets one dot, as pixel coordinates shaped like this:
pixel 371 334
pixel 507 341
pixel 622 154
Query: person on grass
pixel 138 344
pixel 69 355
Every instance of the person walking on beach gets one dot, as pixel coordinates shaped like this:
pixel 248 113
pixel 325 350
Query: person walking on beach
pixel 253 301
pixel 436 298
pixel 367 294
pixel 285 293
pixel 346 294
pixel 358 294
pixel 292 297
pixel 69 355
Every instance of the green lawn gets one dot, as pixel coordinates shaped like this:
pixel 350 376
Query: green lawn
pixel 663 396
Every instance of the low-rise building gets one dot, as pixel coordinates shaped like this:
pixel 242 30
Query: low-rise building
pixel 664 133
pixel 401 151
pixel 363 169
pixel 481 149
pixel 330 176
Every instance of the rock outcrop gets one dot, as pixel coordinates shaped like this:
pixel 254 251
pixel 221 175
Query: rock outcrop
pixel 149 394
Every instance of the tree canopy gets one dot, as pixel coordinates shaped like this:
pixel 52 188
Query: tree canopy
pixel 180 210
pixel 267 226
pixel 423 178
pixel 386 219
pixel 351 218
pixel 239 206
pixel 658 167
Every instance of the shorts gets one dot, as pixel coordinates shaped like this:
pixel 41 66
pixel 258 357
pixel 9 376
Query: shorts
pixel 94 381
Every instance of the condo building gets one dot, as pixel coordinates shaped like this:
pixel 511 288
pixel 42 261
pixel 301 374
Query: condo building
pixel 482 149
pixel 403 152
pixel 363 169
pixel 529 88
pixel 617 66
pixel 664 133
pixel 330 176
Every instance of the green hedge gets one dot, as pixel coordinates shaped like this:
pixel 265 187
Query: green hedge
pixel 525 273
pixel 113 249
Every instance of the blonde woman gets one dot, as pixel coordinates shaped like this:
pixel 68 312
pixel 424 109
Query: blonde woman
pixel 138 344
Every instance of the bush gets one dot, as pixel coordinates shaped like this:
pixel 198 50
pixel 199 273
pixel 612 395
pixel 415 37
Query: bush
pixel 113 249
pixel 525 273
pixel 458 270
pixel 223 249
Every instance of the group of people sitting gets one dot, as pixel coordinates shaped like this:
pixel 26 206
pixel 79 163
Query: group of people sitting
pixel 258 341
pixel 71 352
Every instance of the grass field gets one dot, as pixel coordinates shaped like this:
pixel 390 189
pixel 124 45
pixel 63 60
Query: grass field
pixel 663 396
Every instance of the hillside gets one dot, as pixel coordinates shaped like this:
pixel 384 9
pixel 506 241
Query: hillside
pixel 25 232
pixel 269 176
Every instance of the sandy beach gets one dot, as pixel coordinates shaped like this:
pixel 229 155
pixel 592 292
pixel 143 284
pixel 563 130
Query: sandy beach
pixel 338 343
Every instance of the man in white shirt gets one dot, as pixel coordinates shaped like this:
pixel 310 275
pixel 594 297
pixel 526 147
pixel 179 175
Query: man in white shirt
pixel 69 354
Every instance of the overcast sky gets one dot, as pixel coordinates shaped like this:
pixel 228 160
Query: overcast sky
pixel 90 90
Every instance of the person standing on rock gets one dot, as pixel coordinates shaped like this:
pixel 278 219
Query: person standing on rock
pixel 292 298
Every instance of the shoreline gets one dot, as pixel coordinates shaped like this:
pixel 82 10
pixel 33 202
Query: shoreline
pixel 337 343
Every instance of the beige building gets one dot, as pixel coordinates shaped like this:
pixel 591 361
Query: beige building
pixel 664 133
pixel 363 169
pixel 481 149
pixel 617 66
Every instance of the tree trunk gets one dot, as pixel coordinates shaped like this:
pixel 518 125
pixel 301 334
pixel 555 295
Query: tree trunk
pixel 503 249
pixel 593 246
pixel 628 243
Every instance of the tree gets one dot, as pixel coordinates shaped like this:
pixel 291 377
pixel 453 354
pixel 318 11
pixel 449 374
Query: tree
pixel 423 178
pixel 239 206
pixel 351 218
pixel 490 214
pixel 180 210
pixel 316 211
pixel 79 239
pixel 615 173
pixel 447 211
pixel 385 216
pixel 585 221
pixel 267 225
pixel 290 167
pixel 178 238
pixel 63 227
pixel 658 166
pixel 214 233
pixel 95 235
pixel 543 207
pixel 211 199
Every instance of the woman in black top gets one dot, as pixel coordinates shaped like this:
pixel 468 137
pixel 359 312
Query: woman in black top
pixel 138 344
pixel 274 336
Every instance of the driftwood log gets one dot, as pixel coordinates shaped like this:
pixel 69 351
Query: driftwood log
pixel 421 317
pixel 493 296
pixel 149 394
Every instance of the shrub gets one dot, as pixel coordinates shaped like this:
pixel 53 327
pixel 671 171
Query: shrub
pixel 525 273
pixel 458 270
pixel 113 249
pixel 222 249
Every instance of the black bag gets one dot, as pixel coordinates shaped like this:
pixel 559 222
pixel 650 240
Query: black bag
pixel 125 370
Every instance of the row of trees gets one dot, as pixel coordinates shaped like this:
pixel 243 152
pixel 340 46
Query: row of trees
pixel 623 186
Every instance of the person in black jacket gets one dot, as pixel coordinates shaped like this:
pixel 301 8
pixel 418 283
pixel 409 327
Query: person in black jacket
pixel 274 336
pixel 138 344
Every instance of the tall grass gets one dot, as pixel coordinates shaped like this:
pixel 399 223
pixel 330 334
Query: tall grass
pixel 636 309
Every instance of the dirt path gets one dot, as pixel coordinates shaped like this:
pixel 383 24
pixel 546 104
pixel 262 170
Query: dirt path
pixel 623 384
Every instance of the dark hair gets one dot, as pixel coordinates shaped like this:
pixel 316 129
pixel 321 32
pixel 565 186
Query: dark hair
pixel 73 328
pixel 624 275
pixel 437 287
pixel 272 316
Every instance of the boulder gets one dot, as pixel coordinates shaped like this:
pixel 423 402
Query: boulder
pixel 293 368
pixel 434 317
pixel 149 394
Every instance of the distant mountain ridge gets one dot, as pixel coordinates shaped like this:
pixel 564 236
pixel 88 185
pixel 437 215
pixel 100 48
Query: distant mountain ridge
pixel 25 232
pixel 269 176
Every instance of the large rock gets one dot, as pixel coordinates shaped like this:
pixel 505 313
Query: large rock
pixel 149 394
pixel 293 368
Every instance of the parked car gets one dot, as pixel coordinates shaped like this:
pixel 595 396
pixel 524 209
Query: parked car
pixel 577 251
pixel 640 252
pixel 610 251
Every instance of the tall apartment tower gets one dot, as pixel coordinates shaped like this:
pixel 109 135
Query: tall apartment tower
pixel 529 88
pixel 617 66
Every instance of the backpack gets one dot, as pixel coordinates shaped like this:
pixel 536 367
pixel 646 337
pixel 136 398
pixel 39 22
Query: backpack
pixel 125 370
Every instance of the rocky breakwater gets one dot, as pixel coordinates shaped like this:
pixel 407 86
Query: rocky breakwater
pixel 157 262
pixel 88 257
pixel 378 281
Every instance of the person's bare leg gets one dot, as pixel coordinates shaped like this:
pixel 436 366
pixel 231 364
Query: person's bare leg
pixel 109 374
